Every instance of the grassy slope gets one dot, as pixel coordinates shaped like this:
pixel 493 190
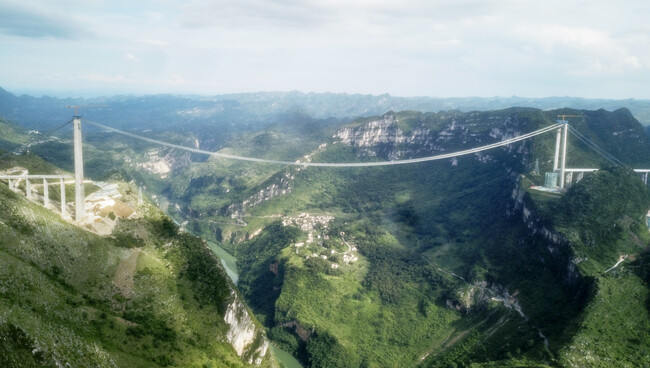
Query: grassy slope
pixel 59 302
pixel 11 135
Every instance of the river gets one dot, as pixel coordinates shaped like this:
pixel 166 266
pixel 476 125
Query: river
pixel 285 359
pixel 229 262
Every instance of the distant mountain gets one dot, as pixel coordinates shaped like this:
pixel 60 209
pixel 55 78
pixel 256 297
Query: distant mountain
pixel 262 108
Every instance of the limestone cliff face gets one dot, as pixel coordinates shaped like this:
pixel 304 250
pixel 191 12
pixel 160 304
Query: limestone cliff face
pixel 383 137
pixel 249 340
pixel 519 205
pixel 384 130
pixel 160 161
pixel 522 206
pixel 280 185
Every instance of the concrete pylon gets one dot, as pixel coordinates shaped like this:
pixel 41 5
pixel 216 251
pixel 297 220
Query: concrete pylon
pixel 80 197
pixel 46 194
pixel 63 209
pixel 28 189
pixel 565 130
pixel 557 149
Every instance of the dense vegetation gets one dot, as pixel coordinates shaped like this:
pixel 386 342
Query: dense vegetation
pixel 407 233
pixel 69 297
pixel 604 221
pixel 455 262
pixel 259 282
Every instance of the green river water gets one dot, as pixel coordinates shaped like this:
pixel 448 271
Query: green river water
pixel 229 262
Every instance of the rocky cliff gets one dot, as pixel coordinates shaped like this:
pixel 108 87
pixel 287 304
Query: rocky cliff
pixel 244 335
pixel 384 135
pixel 524 207
pixel 398 136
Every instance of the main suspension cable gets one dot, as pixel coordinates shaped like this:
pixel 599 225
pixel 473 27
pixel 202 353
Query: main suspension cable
pixel 33 139
pixel 332 164
pixel 608 156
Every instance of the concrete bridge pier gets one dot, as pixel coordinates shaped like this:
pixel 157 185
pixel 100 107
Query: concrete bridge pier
pixel 565 129
pixel 63 206
pixel 14 180
pixel 28 189
pixel 556 158
pixel 46 194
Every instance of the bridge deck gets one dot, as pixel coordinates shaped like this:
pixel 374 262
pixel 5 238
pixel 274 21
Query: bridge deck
pixel 36 177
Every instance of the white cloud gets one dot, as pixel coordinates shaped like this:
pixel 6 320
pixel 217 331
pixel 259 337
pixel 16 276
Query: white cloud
pixel 130 57
pixel 252 13
pixel 588 51
pixel 152 42
pixel 26 19
pixel 102 78
pixel 408 47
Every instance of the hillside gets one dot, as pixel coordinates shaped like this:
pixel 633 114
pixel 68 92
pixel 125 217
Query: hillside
pixel 599 230
pixel 147 296
pixel 443 263
pixel 392 265
pixel 603 221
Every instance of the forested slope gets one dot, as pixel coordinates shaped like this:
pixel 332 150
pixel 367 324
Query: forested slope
pixel 146 296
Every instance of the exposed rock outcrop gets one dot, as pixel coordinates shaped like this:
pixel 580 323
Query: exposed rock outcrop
pixel 302 332
pixel 384 137
pixel 523 206
pixel 280 186
pixel 162 161
pixel 248 340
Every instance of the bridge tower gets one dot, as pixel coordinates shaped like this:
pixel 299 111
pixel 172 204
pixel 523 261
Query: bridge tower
pixel 561 147
pixel 558 139
pixel 565 131
pixel 80 197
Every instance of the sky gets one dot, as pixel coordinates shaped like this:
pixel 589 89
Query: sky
pixel 436 48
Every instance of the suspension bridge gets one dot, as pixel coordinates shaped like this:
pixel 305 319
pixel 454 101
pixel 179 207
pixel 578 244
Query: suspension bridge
pixel 560 178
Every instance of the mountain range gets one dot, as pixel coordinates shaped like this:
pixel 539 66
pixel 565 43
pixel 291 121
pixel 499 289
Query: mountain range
pixel 454 262
pixel 261 108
